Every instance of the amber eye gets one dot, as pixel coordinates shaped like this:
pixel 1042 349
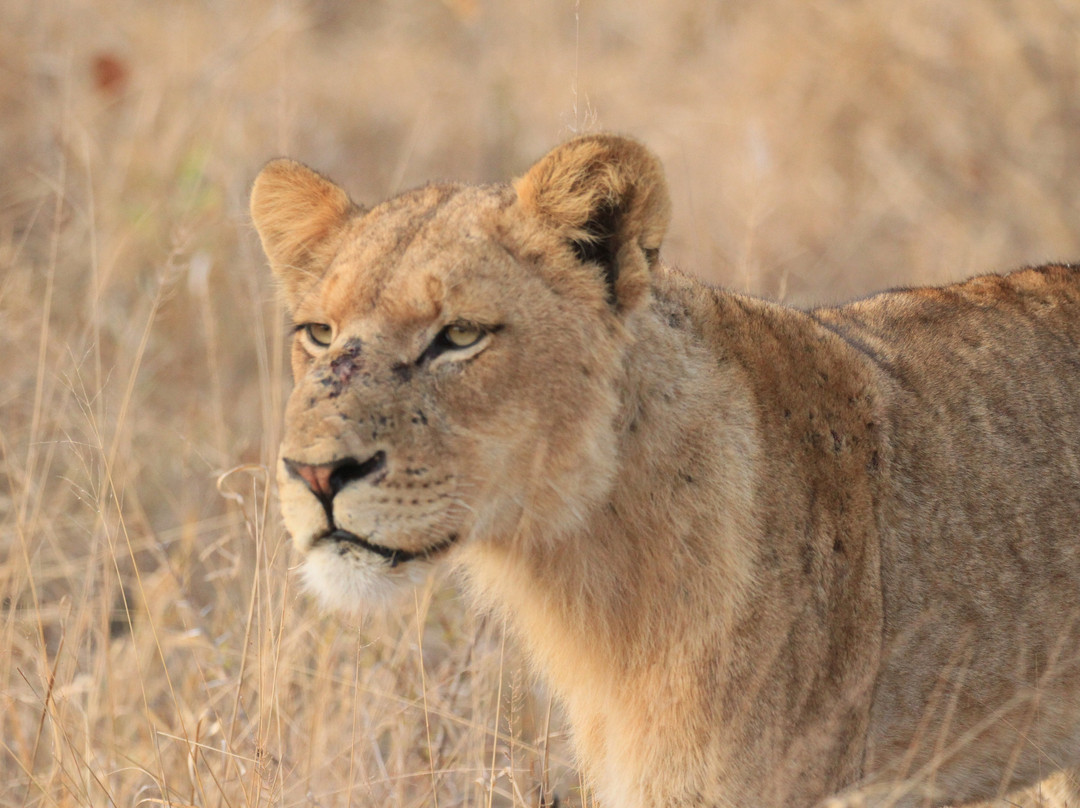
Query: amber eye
pixel 319 333
pixel 461 335
pixel 458 337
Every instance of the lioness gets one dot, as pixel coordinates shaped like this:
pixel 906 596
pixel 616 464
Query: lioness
pixel 764 555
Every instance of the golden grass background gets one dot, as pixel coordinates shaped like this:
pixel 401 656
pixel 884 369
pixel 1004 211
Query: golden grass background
pixel 153 647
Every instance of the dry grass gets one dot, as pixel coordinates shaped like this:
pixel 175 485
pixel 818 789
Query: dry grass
pixel 152 646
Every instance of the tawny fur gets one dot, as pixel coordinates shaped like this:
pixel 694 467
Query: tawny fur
pixel 765 556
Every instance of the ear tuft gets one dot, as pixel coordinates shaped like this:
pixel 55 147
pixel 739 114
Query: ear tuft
pixel 607 197
pixel 299 215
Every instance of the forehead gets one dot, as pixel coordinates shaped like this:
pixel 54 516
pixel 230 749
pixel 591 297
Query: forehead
pixel 403 257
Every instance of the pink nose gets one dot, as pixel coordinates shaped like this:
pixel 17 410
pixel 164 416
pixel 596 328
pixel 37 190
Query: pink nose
pixel 317 479
pixel 326 479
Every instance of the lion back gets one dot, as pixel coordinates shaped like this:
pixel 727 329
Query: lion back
pixel 979 519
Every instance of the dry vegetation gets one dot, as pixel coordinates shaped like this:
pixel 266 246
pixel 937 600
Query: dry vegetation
pixel 153 648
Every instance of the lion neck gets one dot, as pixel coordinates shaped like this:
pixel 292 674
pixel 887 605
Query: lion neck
pixel 657 569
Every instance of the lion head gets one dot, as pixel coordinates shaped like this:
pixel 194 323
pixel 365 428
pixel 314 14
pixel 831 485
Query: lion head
pixel 456 354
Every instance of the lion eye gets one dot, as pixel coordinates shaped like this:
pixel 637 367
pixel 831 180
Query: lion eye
pixel 461 336
pixel 319 333
pixel 457 337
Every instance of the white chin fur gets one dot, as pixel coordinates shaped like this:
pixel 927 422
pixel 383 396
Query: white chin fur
pixel 358 582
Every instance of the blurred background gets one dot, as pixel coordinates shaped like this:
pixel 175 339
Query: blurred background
pixel 153 646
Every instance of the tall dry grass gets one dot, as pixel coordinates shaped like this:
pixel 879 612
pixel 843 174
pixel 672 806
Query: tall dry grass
pixel 153 647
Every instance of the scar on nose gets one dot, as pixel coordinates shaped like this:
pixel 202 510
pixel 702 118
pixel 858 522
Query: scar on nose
pixel 348 361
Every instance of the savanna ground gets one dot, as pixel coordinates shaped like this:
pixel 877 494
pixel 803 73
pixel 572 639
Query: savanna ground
pixel 153 646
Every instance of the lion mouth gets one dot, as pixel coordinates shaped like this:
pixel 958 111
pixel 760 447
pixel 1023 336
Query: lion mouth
pixel 394 556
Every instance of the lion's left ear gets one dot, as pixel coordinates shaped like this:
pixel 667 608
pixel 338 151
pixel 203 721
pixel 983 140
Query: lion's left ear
pixel 607 196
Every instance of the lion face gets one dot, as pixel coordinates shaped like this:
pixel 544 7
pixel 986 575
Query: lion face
pixel 455 354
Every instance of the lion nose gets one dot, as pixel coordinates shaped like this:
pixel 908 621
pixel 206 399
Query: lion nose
pixel 326 479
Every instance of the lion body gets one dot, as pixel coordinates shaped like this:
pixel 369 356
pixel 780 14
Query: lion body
pixel 765 556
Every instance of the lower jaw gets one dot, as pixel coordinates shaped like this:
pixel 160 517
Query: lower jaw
pixel 393 556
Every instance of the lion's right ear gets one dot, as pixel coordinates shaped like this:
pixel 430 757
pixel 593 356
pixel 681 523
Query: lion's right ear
pixel 299 215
